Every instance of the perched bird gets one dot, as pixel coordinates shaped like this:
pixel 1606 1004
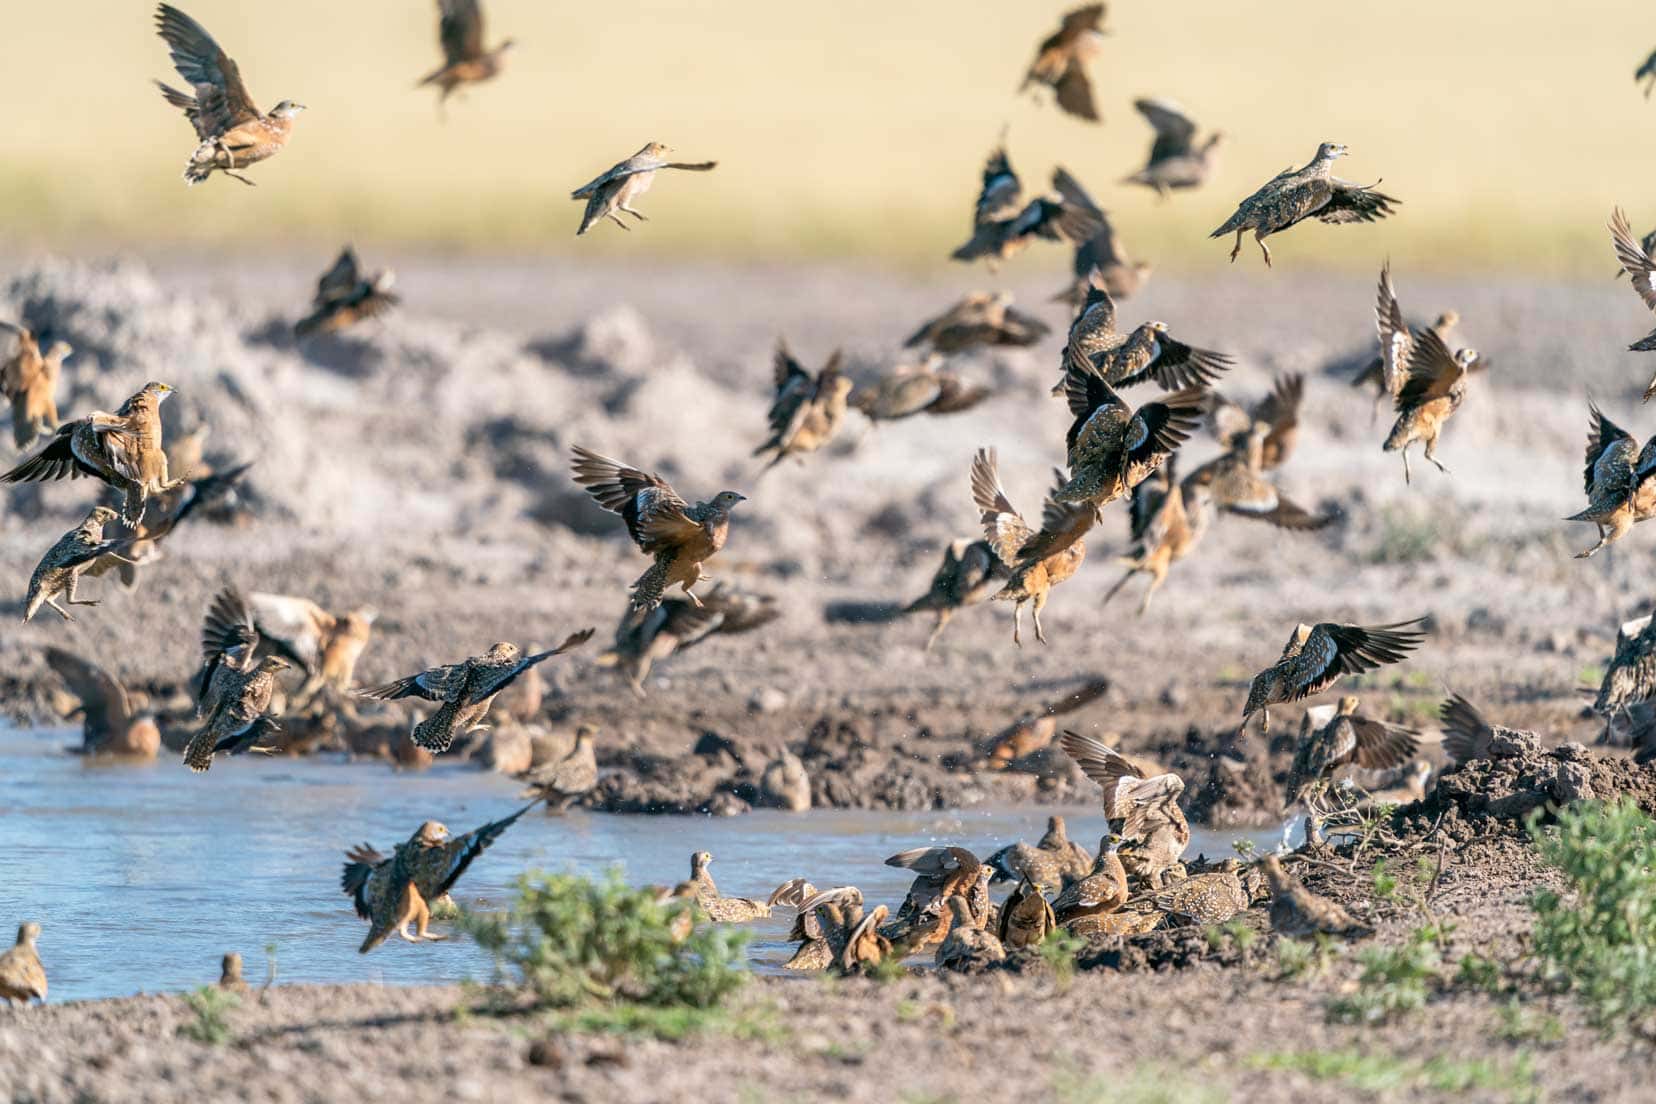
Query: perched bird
pixel 967 947
pixel 1350 738
pixel 465 61
pixel 465 690
pixel 391 892
pixel 562 783
pixel 1103 889
pixel 1297 194
pixel 326 645
pixel 345 295
pixel 679 536
pixel 1026 917
pixel 1100 259
pixel 237 686
pixel 234 133
pixel 113 721
pixel 1061 57
pixel 615 189
pixel 645 637
pixel 1211 898
pixel 59 571
pixel 1295 910
pixel 1163 532
pixel 123 449
pixel 1145 810
pixel 1076 860
pixel 1036 560
pixel 1641 270
pixel 1620 480
pixel 1647 72
pixel 1278 411
pixel 981 319
pixel 726 910
pixel 230 974
pixel 785 783
pixel 919 389
pixel 1019 862
pixel 29 378
pixel 1317 655
pixel 968 574
pixel 1034 731
pixel 1112 448
pixel 807 410
pixel 1064 215
pixel 1630 676
pixel 22 977
pixel 1176 161
pixel 1234 482
pixel 1433 390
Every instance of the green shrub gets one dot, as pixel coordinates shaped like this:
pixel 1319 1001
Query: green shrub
pixel 1599 939
pixel 1394 981
pixel 573 941
pixel 210 1004
pixel 1297 958
pixel 1058 951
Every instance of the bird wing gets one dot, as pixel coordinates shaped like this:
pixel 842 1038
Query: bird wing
pixel 1465 732
pixel 1151 500
pixel 1280 408
pixel 1175 364
pixel 793 387
pixel 655 514
pixel 1601 437
pixel 1242 492
pixel 1432 371
pixel 1062 524
pixel 228 634
pixel 1075 93
pixel 1001 191
pixel 1396 340
pixel 1158 428
pixel 1003 527
pixel 1333 650
pixel 489 679
pixel 433 684
pixel 58 460
pixel 901 395
pixel 1078 218
pixel 1174 129
pixel 296 625
pixel 614 172
pixel 362 861
pixel 1382 746
pixel 953 396
pixel 104 699
pixel 1101 763
pixel 438 868
pixel 460 30
pixel 689 166
pixel 201 62
pixel 1349 202
pixel 1634 261
pixel 341 280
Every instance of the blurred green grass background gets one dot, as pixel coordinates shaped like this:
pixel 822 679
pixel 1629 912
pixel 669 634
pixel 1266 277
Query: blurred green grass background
pixel 848 130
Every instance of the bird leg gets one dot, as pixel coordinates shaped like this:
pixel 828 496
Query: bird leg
pixel 1431 446
pixel 238 176
pixel 1263 248
pixel 639 215
pixel 1602 541
pixel 1040 600
pixel 1405 451
pixel 615 218
pixel 1017 623
pixel 1238 247
pixel 943 616
pixel 1265 721
pixel 1121 582
pixel 52 601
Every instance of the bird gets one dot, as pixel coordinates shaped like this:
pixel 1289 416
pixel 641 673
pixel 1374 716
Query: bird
pixel 1075 859
pixel 645 637
pixel 784 783
pixel 1036 560
pixel 1099 257
pixel 465 61
pixel 1433 389
pixel 1163 532
pixel 726 910
pixel 1389 371
pixel 1034 731
pixel 1295 910
pixel 1112 448
pixel 113 719
pixel 1065 214
pixel 678 535
pixel 1042 869
pixel 1317 655
pixel 1143 809
pixel 967 948
pixel 1630 676
pixel 29 378
pixel 864 948
pixel 1641 270
pixel 123 449
pixel 236 685
pixel 1349 738
pixel 562 783
pixel 59 571
pixel 1060 61
pixel 326 645
pixel 1214 897
pixel 465 690
pixel 1297 194
pixel 981 319
pixel 807 410
pixel 1234 482
pixel 1278 410
pixel 234 133
pixel 1466 734
pixel 174 507
pixel 615 189
pixel 1103 889
pixel 968 574
pixel 1176 161
pixel 22 977
pixel 230 974
pixel 1026 917
pixel 919 389
pixel 940 872
pixel 391 892
pixel 345 295
pixel 1619 478
pixel 1647 72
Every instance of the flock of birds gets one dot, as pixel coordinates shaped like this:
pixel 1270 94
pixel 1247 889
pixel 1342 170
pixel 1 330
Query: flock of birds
pixel 1114 449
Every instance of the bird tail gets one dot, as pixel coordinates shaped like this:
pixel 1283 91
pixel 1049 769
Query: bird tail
pixel 181 100
pixel 1399 435
pixel 648 589
pixel 198 756
pixel 1231 226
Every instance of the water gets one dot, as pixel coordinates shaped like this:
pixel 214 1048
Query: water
pixel 143 875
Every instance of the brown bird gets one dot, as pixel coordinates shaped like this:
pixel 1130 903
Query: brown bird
pixel 1389 371
pixel 113 721
pixel 1278 411
pixel 1433 390
pixel 1143 809
pixel 727 910
pixel 1294 195
pixel 1034 731
pixel 1349 738
pixel 29 379
pixel 1163 532
pixel 1620 480
pixel 1061 58
pixel 562 783
pixel 326 645
pixel 230 974
pixel 1630 676
pixel 236 685
pixel 1112 448
pixel 22 977
pixel 1641 270
pixel 981 319
pixel 345 295
pixel 968 574
pixel 924 918
pixel 196 496
pixel 1295 910
pixel 1176 161
pixel 920 389
pixel 645 637
pixel 1037 560
pixel 679 536
pixel 967 948
pixel 391 892
pixel 59 571
pixel 465 61
pixel 615 189
pixel 1647 72
pixel 234 133
pixel 1317 655
pixel 1026 917
pixel 1103 889
pixel 1075 859
pixel 864 947
pixel 1211 898
pixel 1234 482
pixel 1100 258
pixel 1064 215
pixel 465 690
pixel 807 410
pixel 123 449
pixel 1466 734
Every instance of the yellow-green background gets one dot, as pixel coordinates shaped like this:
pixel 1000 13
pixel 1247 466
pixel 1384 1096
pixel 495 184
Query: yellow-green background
pixel 847 129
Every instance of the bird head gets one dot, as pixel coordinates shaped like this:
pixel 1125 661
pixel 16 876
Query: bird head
pixel 504 650
pixel 1448 320
pixel 1056 828
pixel 362 616
pixel 1466 358
pixel 1156 327
pixel 656 149
pixel 431 834
pixel 232 966
pixel 584 735
pixel 59 350
pixel 699 862
pixel 385 280
pixel 1110 844
pixel 1329 151
pixel 725 500
pixel 287 109
pixel 1348 705
pixel 159 390
pixel 505 44
pixel 101 515
pixel 276 663
pixel 27 932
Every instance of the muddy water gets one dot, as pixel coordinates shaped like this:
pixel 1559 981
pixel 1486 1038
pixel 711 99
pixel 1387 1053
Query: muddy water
pixel 143 875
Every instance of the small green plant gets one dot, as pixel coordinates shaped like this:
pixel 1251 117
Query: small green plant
pixel 1394 981
pixel 1519 1025
pixel 1474 971
pixel 1297 958
pixel 210 1005
pixel 1244 847
pixel 1404 537
pixel 1058 951
pixel 1597 938
pixel 576 941
pixel 1233 933
pixel 1388 1075
pixel 671 1023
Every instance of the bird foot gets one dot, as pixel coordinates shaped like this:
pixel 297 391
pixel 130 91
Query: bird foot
pixel 238 176
pixel 697 602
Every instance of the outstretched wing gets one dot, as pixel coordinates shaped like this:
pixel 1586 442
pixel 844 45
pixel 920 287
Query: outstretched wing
pixel 1382 746
pixel 1176 365
pixel 103 698
pixel 1349 202
pixel 1601 436
pixel 228 636
pixel 58 460
pixel 1465 732
pixel 1634 261
pixel 200 61
pixel 1174 129
pixel 361 863
pixel 1432 371
pixel 341 280
pixel 1333 650
pixel 460 30
pixel 1003 527
pixel 433 684
pixel 438 868
pixel 295 625
pixel 1001 192
pixel 654 513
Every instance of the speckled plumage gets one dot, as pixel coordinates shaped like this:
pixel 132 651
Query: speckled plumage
pixel 615 188
pixel 1295 910
pixel 1064 215
pixel 968 947
pixel 807 410
pixel 345 295
pixel 22 977
pixel 1234 482
pixel 164 515
pixel 1026 917
pixel 1349 738
pixel 1036 560
pixel 1210 898
pixel 1297 194
pixel 1175 161
pixel 1103 889
pixel 565 781
pixel 727 910
pixel 1630 676
pixel 60 569
pixel 1112 448
pixel 1164 531
pixel 1434 387
pixel 1619 478
pixel 1142 809
pixel 29 378
pixel 465 59
pixel 238 716
pixel 1317 655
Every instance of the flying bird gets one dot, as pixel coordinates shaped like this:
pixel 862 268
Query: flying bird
pixel 465 60
pixel 1646 72
pixel 1164 531
pixel 1036 560
pixel 1142 809
pixel 919 389
pixel 1064 215
pixel 645 637
pixel 177 506
pixel 1099 258
pixel 807 409
pixel 1349 738
pixel 615 189
pixel 29 378
pixel 345 295
pixel 1235 482
pixel 1278 411
pixel 1433 389
pixel 1317 655
pixel 114 720
pixel 1061 58
pixel 1466 734
pixel 59 571
pixel 1176 161
pixel 680 536
pixel 968 574
pixel 236 685
pixel 1636 262
pixel 1147 352
pixel 1619 478
pixel 325 645
pixel 234 133
pixel 981 319
pixel 1112 448
pixel 123 449
pixel 1388 372
pixel 1298 194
